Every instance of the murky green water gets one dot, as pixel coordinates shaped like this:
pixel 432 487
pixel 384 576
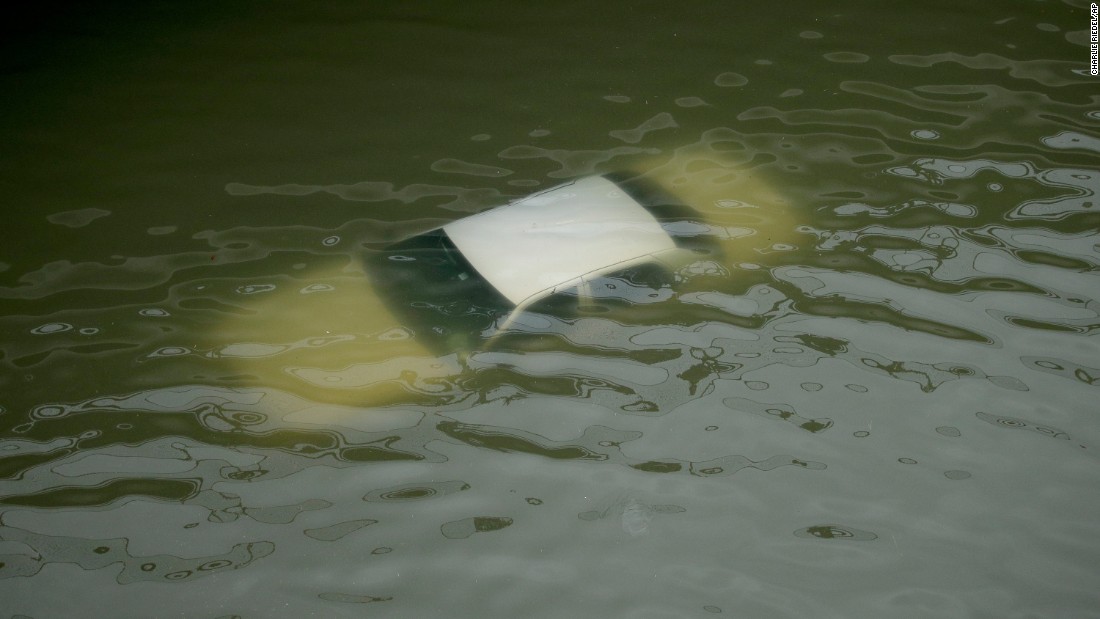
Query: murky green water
pixel 881 403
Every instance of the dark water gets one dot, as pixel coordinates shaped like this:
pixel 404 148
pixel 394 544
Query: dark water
pixel 880 401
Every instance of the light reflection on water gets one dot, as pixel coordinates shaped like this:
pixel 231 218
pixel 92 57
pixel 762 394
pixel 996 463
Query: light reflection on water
pixel 878 401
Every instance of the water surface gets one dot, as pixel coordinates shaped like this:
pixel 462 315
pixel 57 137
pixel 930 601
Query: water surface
pixel 878 401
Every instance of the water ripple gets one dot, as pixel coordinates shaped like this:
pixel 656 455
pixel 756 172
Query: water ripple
pixel 94 554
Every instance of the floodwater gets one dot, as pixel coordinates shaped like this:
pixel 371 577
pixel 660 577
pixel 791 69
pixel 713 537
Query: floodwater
pixel 879 400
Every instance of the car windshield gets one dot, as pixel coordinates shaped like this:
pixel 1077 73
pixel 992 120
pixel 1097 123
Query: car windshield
pixel 427 281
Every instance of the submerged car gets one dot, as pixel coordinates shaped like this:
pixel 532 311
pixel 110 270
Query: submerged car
pixel 507 298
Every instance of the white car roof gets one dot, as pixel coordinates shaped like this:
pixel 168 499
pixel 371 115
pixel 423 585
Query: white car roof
pixel 549 239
